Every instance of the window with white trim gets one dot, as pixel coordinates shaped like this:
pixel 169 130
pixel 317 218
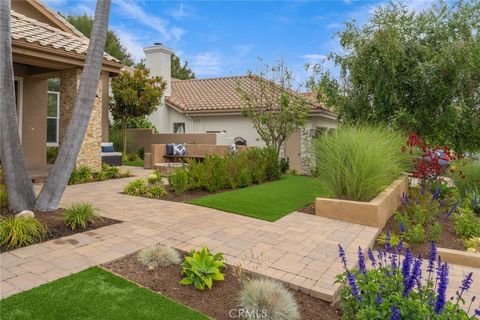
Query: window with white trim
pixel 53 116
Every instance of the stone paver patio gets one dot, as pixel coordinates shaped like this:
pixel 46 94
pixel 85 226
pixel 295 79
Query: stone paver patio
pixel 299 249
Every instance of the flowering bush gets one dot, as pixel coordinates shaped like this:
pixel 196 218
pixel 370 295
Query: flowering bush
pixel 433 160
pixel 395 288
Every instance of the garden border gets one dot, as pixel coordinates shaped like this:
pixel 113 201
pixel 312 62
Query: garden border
pixel 464 258
pixel 373 213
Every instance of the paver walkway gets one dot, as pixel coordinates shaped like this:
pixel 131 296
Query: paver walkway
pixel 299 249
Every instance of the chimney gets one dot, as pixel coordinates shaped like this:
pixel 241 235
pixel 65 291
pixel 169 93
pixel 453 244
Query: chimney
pixel 158 60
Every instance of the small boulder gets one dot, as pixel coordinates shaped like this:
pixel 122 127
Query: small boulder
pixel 25 214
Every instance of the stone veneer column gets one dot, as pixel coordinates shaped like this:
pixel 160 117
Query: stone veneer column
pixel 89 154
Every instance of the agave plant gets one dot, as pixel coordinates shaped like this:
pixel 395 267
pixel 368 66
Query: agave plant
pixel 202 268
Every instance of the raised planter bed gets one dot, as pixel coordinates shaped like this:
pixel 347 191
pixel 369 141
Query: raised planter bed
pixel 373 213
pixel 464 258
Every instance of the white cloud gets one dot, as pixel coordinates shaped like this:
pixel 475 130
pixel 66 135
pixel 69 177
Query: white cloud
pixel 82 8
pixel 131 42
pixel 181 12
pixel 207 63
pixel 132 9
pixel 242 50
pixel 314 57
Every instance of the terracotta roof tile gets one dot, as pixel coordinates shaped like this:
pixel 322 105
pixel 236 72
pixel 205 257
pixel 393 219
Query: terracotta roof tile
pixel 33 31
pixel 213 95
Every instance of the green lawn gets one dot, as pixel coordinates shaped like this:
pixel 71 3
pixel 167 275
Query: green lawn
pixel 138 163
pixel 269 201
pixel 93 294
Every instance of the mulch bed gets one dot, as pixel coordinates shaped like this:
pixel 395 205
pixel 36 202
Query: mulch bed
pixel 309 208
pixel 216 302
pixel 55 225
pixel 448 238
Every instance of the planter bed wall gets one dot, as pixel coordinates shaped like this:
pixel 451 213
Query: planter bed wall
pixel 463 258
pixel 373 213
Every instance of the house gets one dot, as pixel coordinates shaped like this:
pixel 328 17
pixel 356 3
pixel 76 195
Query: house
pixel 213 105
pixel 46 46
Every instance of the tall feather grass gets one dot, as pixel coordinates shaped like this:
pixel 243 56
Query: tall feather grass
pixel 358 162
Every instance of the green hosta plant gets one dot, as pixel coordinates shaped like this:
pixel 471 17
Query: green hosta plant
pixel 202 268
pixel 19 232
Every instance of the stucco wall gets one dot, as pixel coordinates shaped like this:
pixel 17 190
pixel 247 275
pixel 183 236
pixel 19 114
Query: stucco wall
pixel 34 121
pixel 105 100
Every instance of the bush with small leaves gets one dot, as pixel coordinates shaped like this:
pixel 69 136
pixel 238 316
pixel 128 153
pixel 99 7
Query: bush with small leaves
pixel 81 215
pixel 267 299
pixel 19 232
pixel 158 256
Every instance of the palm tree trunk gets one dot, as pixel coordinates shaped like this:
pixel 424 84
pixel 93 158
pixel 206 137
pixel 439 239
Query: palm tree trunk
pixel 20 191
pixel 52 191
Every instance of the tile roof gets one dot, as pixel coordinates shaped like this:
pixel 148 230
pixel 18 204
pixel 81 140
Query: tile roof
pixel 215 95
pixel 30 30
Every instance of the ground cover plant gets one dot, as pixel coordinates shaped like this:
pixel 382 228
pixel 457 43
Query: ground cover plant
pixel 150 187
pixel 94 294
pixel 268 201
pixel 221 301
pixel 84 174
pixel 359 162
pixel 396 287
pixel 81 215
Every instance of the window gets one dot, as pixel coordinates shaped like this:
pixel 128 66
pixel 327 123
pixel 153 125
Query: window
pixel 53 118
pixel 179 127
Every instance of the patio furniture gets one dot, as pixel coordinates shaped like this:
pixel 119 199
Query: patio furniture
pixel 109 156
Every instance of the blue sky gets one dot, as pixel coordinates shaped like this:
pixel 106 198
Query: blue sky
pixel 221 38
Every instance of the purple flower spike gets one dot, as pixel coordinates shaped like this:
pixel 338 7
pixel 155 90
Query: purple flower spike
pixel 341 254
pixel 436 194
pixel 353 285
pixel 452 210
pixel 361 262
pixel 395 314
pixel 371 257
pixel 378 299
pixel 414 276
pixel 432 257
pixel 388 238
pixel 442 289
pixel 467 282
pixel 406 264
pixel 402 227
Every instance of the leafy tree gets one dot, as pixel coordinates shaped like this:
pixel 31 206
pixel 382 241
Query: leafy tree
pixel 419 71
pixel 114 47
pixel 135 94
pixel 275 109
pixel 180 71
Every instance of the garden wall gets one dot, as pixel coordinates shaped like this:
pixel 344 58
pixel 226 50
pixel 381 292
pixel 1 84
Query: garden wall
pixel 373 213
pixel 144 138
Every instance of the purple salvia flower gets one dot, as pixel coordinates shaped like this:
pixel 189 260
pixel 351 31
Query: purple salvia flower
pixel 388 238
pixel 361 262
pixel 432 257
pixel 417 201
pixel 436 194
pixel 400 246
pixel 353 285
pixel 441 203
pixel 414 276
pixel 467 282
pixel 371 257
pixel 477 312
pixel 393 259
pixel 442 289
pixel 395 314
pixel 378 299
pixel 452 210
pixel 402 227
pixel 406 265
pixel 341 254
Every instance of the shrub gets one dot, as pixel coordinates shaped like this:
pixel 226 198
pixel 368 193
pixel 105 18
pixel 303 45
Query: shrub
pixel 178 180
pixel 202 268
pixel 19 232
pixel 155 191
pixel 136 187
pixel 80 215
pixel 81 175
pixel 272 164
pixel 256 164
pixel 111 172
pixel 284 165
pixel 215 173
pixel 467 176
pixel 154 178
pixel 158 256
pixel 472 199
pixel 357 163
pixel 395 288
pixel 267 299
pixel 133 156
pixel 466 224
pixel 52 153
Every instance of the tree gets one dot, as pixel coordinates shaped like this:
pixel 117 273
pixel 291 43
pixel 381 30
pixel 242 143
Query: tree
pixel 17 180
pixel 179 71
pixel 52 191
pixel 418 71
pixel 114 47
pixel 135 94
pixel 276 110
